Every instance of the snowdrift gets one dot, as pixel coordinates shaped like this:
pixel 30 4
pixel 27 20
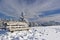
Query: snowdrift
pixel 35 33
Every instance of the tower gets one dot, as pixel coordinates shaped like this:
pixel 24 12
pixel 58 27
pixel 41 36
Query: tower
pixel 22 16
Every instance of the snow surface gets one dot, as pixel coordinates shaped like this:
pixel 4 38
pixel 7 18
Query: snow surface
pixel 35 33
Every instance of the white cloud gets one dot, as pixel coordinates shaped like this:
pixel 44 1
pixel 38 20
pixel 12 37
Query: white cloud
pixel 55 17
pixel 15 7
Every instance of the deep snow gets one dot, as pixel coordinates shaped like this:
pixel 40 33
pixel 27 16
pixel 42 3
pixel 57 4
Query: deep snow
pixel 35 33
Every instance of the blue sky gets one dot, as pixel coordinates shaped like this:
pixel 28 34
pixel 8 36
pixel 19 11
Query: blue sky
pixel 49 13
pixel 34 10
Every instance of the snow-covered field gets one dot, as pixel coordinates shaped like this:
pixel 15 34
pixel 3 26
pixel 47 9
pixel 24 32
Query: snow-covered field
pixel 35 33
